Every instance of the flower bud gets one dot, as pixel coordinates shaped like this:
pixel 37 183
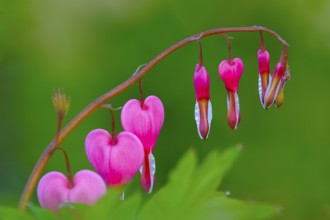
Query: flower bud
pixel 276 83
pixel 203 107
pixel 230 72
pixel 264 70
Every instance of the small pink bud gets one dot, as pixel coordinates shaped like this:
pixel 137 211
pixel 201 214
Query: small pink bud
pixel 264 70
pixel 203 107
pixel 276 82
pixel 117 162
pixel 145 120
pixel 230 72
pixel 54 191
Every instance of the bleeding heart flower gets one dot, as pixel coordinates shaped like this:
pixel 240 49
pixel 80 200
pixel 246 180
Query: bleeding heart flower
pixel 203 107
pixel 230 72
pixel 275 88
pixel 54 191
pixel 145 120
pixel 264 70
pixel 117 161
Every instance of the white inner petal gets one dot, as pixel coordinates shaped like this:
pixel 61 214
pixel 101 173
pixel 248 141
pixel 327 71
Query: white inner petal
pixel 237 109
pixel 209 116
pixel 197 118
pixel 152 167
pixel 260 89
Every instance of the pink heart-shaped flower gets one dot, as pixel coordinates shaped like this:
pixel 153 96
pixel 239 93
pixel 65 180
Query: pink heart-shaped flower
pixel 145 121
pixel 54 191
pixel 117 162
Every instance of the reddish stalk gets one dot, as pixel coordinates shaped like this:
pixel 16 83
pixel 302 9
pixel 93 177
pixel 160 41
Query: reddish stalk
pixel 68 167
pixel 46 155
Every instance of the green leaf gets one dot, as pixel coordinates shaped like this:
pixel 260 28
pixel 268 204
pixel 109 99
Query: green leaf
pixel 41 214
pixel 109 207
pixel 221 207
pixel 13 214
pixel 171 197
pixel 209 175
pixel 191 192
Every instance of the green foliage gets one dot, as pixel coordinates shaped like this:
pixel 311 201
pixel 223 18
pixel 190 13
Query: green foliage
pixel 13 214
pixel 190 194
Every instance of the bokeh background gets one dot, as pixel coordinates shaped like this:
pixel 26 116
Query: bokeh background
pixel 89 47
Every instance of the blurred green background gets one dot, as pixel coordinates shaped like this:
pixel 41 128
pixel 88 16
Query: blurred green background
pixel 89 47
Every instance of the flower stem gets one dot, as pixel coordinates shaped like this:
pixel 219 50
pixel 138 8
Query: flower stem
pixel 201 62
pixel 48 152
pixel 230 58
pixel 141 94
pixel 68 167
pixel 262 44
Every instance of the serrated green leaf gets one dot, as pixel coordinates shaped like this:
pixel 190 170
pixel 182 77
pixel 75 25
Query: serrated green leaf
pixel 209 175
pixel 7 213
pixel 171 197
pixel 41 214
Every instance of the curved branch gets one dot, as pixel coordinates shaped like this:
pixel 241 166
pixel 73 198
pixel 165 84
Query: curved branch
pixel 46 155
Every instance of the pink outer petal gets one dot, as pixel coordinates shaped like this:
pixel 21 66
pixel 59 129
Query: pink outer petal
pixel 201 83
pixel 263 61
pixel 231 72
pixel 146 122
pixel 117 163
pixel 53 190
pixel 88 187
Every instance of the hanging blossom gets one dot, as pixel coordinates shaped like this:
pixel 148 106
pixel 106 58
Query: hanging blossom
pixel 230 71
pixel 275 89
pixel 54 189
pixel 264 70
pixel 203 106
pixel 116 158
pixel 145 119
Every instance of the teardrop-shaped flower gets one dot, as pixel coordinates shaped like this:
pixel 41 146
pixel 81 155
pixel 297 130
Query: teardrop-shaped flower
pixel 230 72
pixel 116 161
pixel 264 70
pixel 276 85
pixel 145 120
pixel 53 189
pixel 203 107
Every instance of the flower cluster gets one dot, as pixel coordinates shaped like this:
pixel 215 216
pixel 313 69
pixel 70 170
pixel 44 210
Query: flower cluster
pixel 271 86
pixel 116 158
pixel 230 71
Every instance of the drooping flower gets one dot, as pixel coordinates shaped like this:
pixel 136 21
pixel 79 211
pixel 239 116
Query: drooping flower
pixel 264 70
pixel 230 72
pixel 203 106
pixel 276 85
pixel 116 160
pixel 145 120
pixel 53 189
